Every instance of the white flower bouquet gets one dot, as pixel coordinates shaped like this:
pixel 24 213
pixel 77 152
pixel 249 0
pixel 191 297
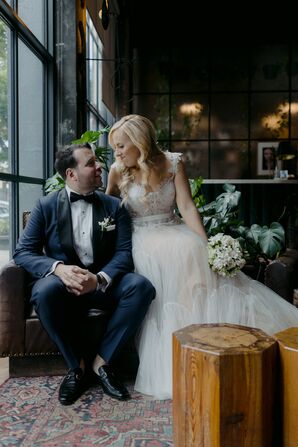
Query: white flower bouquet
pixel 225 255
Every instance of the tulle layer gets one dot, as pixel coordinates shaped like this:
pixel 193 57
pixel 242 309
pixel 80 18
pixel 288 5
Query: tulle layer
pixel 187 292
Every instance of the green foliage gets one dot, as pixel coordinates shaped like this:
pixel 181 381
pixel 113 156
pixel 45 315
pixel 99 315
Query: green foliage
pixel 196 193
pixel 90 136
pixel 53 183
pixel 4 227
pixel 259 243
pixel 102 153
pixel 221 215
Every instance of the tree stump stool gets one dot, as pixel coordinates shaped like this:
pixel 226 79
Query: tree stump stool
pixel 223 386
pixel 288 384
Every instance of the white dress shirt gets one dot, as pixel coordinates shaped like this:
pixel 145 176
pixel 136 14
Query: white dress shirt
pixel 81 216
pixel 82 225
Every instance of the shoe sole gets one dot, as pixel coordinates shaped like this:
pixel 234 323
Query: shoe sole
pixel 125 397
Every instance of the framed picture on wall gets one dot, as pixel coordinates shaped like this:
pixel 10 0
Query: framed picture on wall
pixel 266 158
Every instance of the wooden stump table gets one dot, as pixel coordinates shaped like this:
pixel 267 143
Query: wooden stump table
pixel 223 386
pixel 288 357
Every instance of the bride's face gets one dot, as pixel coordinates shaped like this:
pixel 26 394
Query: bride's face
pixel 125 151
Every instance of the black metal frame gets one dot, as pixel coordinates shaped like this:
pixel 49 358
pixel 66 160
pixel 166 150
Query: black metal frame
pixel 19 31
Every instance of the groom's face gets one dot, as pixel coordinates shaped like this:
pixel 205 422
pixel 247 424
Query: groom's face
pixel 86 176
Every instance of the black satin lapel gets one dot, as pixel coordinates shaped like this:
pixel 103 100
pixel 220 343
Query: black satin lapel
pixel 99 213
pixel 65 227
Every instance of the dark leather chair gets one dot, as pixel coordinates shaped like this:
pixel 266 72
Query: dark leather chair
pixel 281 275
pixel 23 339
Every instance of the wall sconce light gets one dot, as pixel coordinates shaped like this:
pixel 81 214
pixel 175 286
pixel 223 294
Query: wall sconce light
pixel 104 14
pixel 194 108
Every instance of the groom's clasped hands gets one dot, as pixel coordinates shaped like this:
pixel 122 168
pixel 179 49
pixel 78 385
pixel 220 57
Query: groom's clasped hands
pixel 77 280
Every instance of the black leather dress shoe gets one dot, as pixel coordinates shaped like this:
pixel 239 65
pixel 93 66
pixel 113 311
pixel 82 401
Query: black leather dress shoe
pixel 71 387
pixel 111 385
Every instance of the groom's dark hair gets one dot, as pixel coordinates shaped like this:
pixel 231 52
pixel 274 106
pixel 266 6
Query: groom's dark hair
pixel 65 158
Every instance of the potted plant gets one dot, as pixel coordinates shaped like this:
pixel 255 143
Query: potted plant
pixel 102 153
pixel 260 244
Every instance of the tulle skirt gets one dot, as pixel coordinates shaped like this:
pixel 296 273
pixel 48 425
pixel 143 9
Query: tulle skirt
pixel 175 260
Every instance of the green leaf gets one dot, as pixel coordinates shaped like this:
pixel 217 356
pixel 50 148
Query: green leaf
pixel 227 201
pixel 195 186
pixel 91 136
pixel 229 188
pixel 254 233
pixel 53 183
pixel 224 203
pixel 272 239
pixel 196 191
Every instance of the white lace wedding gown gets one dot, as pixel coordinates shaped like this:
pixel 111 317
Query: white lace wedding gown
pixel 175 259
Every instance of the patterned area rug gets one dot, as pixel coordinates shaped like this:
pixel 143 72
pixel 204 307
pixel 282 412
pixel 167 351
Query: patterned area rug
pixel 31 416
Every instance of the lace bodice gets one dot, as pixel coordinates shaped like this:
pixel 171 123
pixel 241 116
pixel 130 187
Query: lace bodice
pixel 156 203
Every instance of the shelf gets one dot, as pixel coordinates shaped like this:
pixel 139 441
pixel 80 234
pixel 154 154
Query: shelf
pixel 251 181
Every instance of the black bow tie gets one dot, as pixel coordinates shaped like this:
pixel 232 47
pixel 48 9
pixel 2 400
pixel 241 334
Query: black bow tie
pixel 90 198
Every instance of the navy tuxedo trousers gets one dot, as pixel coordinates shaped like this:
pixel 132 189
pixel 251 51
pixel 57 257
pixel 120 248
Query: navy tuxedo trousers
pixel 61 313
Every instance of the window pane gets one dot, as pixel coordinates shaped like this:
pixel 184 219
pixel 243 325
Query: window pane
pixel 269 116
pixel 190 116
pixel 150 71
pixel 229 69
pixel 195 155
pixel 229 116
pixel 92 121
pixel 31 116
pixel 5 162
pixel 270 68
pixel 5 222
pixel 229 160
pixel 94 68
pixel 32 14
pixel 93 81
pixel 28 195
pixel 156 108
pixel 190 70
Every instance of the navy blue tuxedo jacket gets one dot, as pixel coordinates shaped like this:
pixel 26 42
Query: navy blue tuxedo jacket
pixel 48 237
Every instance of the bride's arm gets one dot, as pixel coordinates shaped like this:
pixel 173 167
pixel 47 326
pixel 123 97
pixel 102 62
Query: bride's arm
pixel 113 182
pixel 186 205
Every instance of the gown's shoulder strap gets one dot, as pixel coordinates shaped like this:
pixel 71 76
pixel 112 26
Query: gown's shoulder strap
pixel 174 158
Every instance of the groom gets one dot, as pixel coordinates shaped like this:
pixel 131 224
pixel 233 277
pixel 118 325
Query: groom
pixel 77 249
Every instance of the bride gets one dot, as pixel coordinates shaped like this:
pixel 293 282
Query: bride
pixel 172 254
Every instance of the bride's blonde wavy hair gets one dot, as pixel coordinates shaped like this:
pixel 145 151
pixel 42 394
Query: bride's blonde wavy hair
pixel 142 134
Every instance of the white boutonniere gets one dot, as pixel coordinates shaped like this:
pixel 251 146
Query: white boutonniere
pixel 108 224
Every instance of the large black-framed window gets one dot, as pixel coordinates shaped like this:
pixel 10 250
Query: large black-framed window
pixel 26 111
pixel 219 104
